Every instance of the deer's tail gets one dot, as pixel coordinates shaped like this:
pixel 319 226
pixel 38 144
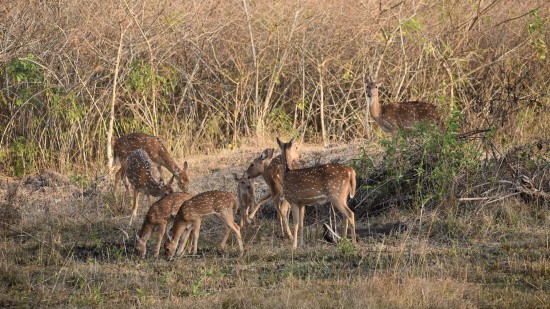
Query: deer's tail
pixel 353 183
pixel 235 205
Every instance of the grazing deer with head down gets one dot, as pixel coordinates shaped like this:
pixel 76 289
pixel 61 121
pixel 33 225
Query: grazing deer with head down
pixel 314 186
pixel 399 116
pixel 159 214
pixel 270 169
pixel 158 154
pixel 222 204
pixel 138 172
pixel 247 196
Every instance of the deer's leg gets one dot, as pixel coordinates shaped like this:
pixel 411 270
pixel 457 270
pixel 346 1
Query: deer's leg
pixel 258 205
pixel 284 214
pixel 296 220
pixel 134 210
pixel 278 205
pixel 244 215
pixel 185 237
pixel 302 214
pixel 196 230
pixel 349 216
pixel 230 224
pixel 159 168
pixel 117 178
pixel 162 230
pixel 225 235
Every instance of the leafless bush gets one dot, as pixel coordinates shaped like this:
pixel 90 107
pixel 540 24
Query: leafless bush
pixel 203 75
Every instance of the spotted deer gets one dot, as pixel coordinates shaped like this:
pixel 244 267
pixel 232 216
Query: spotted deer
pixel 138 172
pixel 159 214
pixel 158 154
pixel 270 169
pixel 246 193
pixel 399 116
pixel 222 204
pixel 315 186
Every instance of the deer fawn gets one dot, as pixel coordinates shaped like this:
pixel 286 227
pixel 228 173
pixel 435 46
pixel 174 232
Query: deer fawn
pixel 158 215
pixel 246 194
pixel 222 204
pixel 270 169
pixel 138 172
pixel 158 154
pixel 402 116
pixel 314 186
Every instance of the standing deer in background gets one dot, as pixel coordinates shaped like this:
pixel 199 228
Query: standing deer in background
pixel 138 172
pixel 399 116
pixel 314 186
pixel 247 196
pixel 270 169
pixel 158 154
pixel 222 204
pixel 159 214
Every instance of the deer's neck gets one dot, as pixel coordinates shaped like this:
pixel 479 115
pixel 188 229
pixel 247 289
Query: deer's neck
pixel 146 230
pixel 154 188
pixel 285 168
pixel 374 106
pixel 169 163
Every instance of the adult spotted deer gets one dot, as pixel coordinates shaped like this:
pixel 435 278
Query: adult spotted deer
pixel 159 214
pixel 222 204
pixel 246 193
pixel 314 186
pixel 138 172
pixel 158 154
pixel 399 116
pixel 270 168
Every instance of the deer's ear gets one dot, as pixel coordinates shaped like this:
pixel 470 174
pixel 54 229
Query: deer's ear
pixel 279 142
pixel 185 166
pixel 169 236
pixel 264 154
pixel 270 152
pixel 171 180
pixel 290 142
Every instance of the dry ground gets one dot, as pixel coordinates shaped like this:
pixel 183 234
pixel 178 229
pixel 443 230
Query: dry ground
pixel 64 242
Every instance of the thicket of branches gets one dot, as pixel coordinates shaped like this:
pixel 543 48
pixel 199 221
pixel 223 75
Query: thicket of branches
pixel 208 74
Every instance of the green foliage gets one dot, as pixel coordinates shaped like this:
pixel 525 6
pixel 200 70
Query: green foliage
pixel 142 77
pixel 81 180
pixel 426 164
pixel 281 122
pixel 536 30
pixel 23 154
pixel 346 247
pixel 412 25
pixel 26 72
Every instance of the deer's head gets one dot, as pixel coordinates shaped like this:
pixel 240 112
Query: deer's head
pixel 244 182
pixel 289 151
pixel 169 245
pixel 182 179
pixel 139 246
pixel 259 164
pixel 372 88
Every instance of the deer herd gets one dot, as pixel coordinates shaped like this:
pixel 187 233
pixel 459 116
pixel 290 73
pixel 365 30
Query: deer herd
pixel 292 187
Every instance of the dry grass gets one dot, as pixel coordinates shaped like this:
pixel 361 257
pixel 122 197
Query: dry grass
pixel 69 248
